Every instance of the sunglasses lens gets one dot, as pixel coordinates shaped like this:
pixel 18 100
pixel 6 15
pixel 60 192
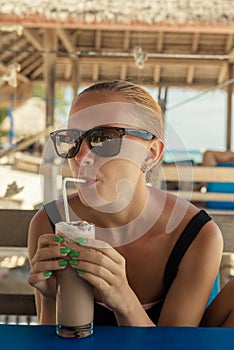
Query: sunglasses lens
pixel 105 142
pixel 66 143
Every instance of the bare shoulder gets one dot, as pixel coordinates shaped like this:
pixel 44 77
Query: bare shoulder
pixel 211 236
pixel 180 212
pixel 40 220
pixel 39 225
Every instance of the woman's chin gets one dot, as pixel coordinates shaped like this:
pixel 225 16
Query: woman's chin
pixel 110 206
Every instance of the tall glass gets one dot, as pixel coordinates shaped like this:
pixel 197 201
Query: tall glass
pixel 74 298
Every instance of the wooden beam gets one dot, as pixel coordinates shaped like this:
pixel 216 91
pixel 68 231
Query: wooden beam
pixel 98 40
pixel 75 76
pixel 65 39
pixel 27 61
pixel 160 39
pixel 123 71
pixel 187 27
pixel 222 73
pixel 190 75
pixel 197 173
pixel 157 72
pixel 126 41
pixel 33 65
pixel 162 61
pixel 95 74
pixel 195 42
pixel 50 42
pixel 68 70
pixel 75 36
pixel 16 236
pixel 33 38
pixel 231 60
pixel 229 43
pixel 38 71
pixel 20 58
pixel 17 45
pixel 7 38
pixel 229 108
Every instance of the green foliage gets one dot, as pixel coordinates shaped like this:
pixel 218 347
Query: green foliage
pixel 3 114
pixel 61 105
pixel 39 91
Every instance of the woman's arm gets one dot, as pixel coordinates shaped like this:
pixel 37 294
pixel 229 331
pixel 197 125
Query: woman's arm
pixel 187 298
pixel 44 257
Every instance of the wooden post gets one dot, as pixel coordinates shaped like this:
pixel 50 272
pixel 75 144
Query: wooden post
pixel 229 108
pixel 75 76
pixel 49 168
pixel 50 42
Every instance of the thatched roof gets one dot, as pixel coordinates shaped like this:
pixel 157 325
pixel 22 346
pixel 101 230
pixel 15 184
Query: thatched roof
pixel 124 11
pixel 154 42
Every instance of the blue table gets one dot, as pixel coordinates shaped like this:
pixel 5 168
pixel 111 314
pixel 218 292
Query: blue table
pixel 118 338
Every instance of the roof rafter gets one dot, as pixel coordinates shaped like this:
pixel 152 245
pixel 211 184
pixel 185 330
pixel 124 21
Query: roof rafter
pixel 33 38
pixel 190 74
pixel 95 74
pixel 98 40
pixel 159 45
pixel 195 42
pixel 65 39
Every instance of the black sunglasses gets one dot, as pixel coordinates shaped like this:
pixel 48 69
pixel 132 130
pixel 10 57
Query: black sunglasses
pixel 103 141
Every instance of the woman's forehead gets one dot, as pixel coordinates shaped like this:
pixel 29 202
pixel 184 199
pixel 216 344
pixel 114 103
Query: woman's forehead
pixel 112 113
pixel 89 99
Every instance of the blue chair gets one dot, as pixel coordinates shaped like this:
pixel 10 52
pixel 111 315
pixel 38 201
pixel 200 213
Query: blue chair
pixel 215 290
pixel 221 187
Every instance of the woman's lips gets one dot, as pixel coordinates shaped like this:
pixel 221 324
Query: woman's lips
pixel 86 181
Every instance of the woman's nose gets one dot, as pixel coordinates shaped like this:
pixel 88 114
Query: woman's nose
pixel 84 156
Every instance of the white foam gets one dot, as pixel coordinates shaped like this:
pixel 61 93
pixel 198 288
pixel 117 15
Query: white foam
pixel 76 229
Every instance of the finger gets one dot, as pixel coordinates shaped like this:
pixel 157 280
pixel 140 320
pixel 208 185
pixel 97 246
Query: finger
pixel 93 243
pixel 101 246
pixel 96 270
pixel 94 280
pixel 51 265
pixel 47 239
pixel 37 278
pixel 49 253
pixel 97 259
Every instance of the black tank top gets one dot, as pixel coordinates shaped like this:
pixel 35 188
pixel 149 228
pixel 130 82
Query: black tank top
pixel 104 316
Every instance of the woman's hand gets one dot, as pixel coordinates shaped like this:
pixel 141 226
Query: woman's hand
pixel 50 256
pixel 104 268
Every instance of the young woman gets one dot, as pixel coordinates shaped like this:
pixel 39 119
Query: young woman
pixel 163 253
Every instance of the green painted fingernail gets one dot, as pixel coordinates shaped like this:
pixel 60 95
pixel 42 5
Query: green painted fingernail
pixel 80 272
pixel 73 262
pixel 47 273
pixel 63 263
pixel 74 254
pixel 81 240
pixel 58 239
pixel 65 250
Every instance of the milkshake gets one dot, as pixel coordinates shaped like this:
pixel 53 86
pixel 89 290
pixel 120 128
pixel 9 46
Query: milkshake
pixel 75 298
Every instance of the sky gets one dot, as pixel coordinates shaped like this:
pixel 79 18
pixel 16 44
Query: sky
pixel 200 122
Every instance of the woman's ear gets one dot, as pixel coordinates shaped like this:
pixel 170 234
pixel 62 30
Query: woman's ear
pixel 154 153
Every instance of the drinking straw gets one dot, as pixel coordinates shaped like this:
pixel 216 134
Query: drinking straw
pixel 65 180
